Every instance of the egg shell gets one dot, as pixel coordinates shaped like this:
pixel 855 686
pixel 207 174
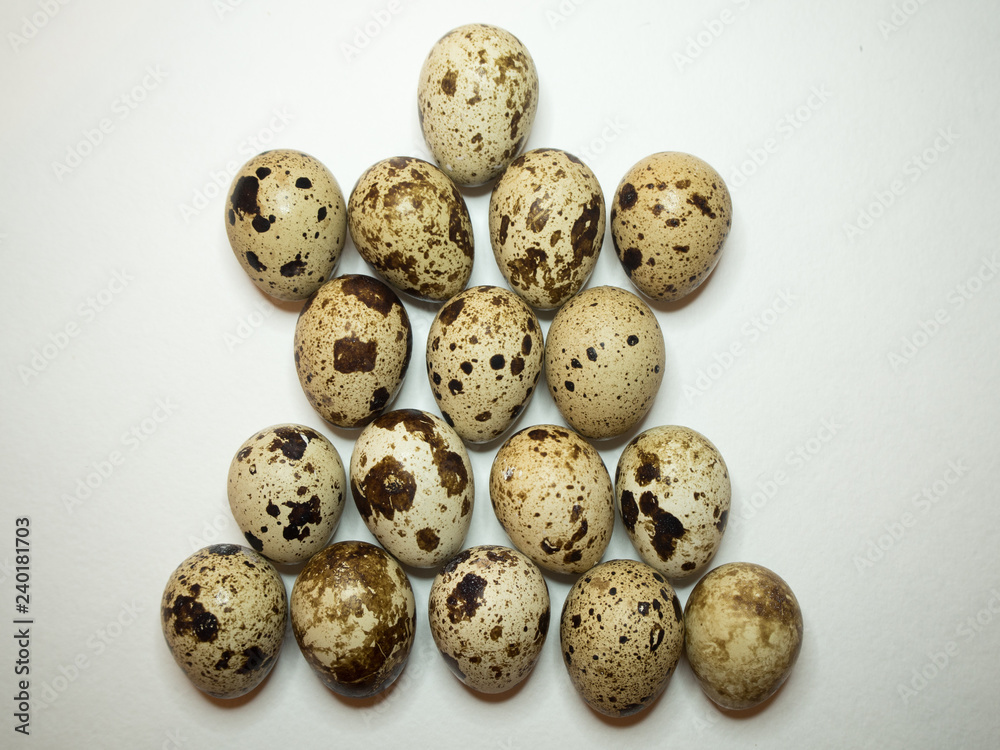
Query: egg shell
pixel 622 633
pixel 352 346
pixel 477 98
pixel 744 633
pixel 354 616
pixel 489 615
pixel 670 217
pixel 286 222
pixel 552 494
pixel 547 226
pixel 604 361
pixel 484 357
pixel 224 613
pixel 413 485
pixel 411 224
pixel 673 492
pixel 286 491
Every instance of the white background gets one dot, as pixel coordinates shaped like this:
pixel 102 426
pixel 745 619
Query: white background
pixel 858 420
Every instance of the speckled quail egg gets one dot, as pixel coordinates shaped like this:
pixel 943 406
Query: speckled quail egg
pixel 484 357
pixel 669 218
pixel 352 347
pixel 489 614
pixel 410 223
pixel 413 485
pixel 743 634
pixel 286 222
pixel 477 98
pixel 353 616
pixel 547 225
pixel 672 489
pixel 622 633
pixel 224 614
pixel 552 494
pixel 604 361
pixel 286 490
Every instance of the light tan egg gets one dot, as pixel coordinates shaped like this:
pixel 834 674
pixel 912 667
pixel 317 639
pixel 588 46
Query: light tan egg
pixel 410 223
pixel 223 614
pixel 669 218
pixel 484 357
pixel 352 348
pixel 744 633
pixel 547 226
pixel 286 491
pixel 489 615
pixel 553 496
pixel 354 616
pixel 622 634
pixel 604 361
pixel 673 492
pixel 412 482
pixel 477 97
pixel 286 222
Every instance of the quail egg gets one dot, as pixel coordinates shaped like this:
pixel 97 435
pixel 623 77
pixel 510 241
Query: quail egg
pixel 224 614
pixel 286 222
pixel 669 218
pixel 352 348
pixel 410 223
pixel 412 482
pixel 547 226
pixel 477 98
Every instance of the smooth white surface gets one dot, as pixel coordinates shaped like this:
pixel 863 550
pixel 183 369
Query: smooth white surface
pixel 829 439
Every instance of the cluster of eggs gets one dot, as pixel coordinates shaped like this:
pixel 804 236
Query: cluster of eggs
pixel 352 609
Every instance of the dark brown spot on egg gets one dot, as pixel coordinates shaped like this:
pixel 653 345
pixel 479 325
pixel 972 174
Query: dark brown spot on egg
pixel 631 260
pixel 254 261
pixel 292 442
pixel 630 511
pixel 701 203
pixel 449 83
pixel 427 540
pixel 300 516
pixel 350 354
pixel 667 528
pixel 372 293
pixel 191 617
pixel 465 598
pixel 294 267
pixel 627 196
pixel 449 313
pixel 303 183
pixel 388 488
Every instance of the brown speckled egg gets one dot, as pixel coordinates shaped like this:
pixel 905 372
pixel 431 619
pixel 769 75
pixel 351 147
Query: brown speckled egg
pixel 286 490
pixel 352 347
pixel 484 356
pixel 489 614
pixel 410 223
pixel 547 226
pixel 669 218
pixel 672 489
pixel 743 634
pixel 604 361
pixel 353 616
pixel 622 633
pixel 477 97
pixel 286 222
pixel 224 614
pixel 553 497
pixel 413 485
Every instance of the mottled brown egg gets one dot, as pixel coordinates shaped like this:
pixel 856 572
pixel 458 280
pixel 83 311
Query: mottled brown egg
pixel 410 223
pixel 673 492
pixel 622 633
pixel 286 222
pixel 552 494
pixel 224 613
pixel 286 491
pixel 489 614
pixel 412 482
pixel 477 98
pixel 669 218
pixel 604 361
pixel 484 356
pixel 743 634
pixel 353 616
pixel 352 347
pixel 547 226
